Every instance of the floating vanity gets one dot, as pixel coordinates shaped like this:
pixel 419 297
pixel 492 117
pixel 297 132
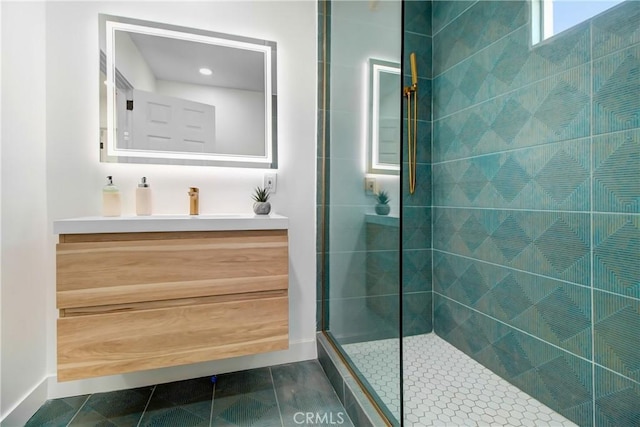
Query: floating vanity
pixel 139 293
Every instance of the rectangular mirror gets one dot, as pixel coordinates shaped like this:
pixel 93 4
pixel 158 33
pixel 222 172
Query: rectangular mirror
pixel 385 103
pixel 176 95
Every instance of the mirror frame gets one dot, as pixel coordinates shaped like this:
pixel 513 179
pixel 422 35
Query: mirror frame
pixel 377 67
pixel 109 152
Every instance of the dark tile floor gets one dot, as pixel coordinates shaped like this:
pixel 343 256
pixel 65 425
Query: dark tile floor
pixel 296 394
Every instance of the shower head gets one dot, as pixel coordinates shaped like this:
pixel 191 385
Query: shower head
pixel 414 69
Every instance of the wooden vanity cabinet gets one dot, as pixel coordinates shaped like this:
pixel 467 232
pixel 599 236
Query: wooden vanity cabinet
pixel 134 301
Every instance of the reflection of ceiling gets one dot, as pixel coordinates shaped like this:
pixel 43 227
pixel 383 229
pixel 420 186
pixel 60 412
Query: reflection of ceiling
pixel 180 60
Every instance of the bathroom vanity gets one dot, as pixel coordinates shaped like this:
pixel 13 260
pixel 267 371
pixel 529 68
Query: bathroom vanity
pixel 149 292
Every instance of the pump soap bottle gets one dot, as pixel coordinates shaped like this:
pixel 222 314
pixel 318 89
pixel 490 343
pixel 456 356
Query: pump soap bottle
pixel 143 198
pixel 111 205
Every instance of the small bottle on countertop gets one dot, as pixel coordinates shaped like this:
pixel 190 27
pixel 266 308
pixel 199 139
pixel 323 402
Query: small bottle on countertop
pixel 111 205
pixel 143 198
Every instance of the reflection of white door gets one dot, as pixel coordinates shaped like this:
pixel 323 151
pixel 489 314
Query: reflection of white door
pixel 389 141
pixel 165 123
pixel 123 120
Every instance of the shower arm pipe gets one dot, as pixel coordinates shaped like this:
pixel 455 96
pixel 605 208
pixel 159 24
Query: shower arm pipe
pixel 411 92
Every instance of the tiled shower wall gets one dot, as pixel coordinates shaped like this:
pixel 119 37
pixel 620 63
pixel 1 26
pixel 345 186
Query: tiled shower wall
pixel 417 295
pixel 536 203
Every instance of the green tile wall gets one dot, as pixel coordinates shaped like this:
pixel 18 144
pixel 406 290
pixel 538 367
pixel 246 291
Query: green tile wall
pixel 536 203
pixel 417 295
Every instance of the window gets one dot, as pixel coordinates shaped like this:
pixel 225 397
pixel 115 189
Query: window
pixel 550 17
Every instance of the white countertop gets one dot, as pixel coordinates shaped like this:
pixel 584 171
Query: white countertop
pixel 159 223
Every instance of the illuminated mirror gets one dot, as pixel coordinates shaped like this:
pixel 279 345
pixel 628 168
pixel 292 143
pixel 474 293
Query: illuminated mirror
pixel 176 95
pixel 385 103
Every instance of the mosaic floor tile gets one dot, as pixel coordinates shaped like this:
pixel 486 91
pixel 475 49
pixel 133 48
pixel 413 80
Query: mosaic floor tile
pixel 445 387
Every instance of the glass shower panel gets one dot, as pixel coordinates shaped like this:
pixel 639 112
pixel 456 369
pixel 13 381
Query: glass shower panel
pixel 363 247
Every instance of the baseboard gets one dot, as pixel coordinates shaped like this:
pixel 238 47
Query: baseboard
pixel 297 352
pixel 28 406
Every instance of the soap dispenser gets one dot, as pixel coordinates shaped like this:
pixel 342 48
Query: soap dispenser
pixel 111 205
pixel 143 198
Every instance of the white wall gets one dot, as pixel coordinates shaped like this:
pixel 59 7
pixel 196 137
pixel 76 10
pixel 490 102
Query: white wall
pixel 24 220
pixel 240 114
pixel 74 175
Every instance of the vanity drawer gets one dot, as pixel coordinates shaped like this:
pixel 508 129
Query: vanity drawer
pixel 114 342
pixel 122 268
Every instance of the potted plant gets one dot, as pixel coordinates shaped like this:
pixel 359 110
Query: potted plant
pixel 383 208
pixel 261 206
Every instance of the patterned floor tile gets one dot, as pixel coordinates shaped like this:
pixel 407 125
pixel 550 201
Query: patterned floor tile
pixel 184 403
pixel 246 398
pixel 56 412
pixel 122 408
pixel 304 392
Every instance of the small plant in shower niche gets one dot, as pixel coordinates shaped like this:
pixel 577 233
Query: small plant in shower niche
pixel 261 206
pixel 383 208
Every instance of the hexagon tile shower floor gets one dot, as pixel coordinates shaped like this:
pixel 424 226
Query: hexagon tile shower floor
pixel 444 386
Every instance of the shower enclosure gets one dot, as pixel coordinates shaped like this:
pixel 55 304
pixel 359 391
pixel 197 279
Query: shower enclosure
pixel 506 288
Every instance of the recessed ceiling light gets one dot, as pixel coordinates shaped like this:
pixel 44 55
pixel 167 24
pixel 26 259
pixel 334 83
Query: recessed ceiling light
pixel 205 71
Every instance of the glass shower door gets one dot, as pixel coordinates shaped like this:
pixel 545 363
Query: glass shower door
pixel 364 151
